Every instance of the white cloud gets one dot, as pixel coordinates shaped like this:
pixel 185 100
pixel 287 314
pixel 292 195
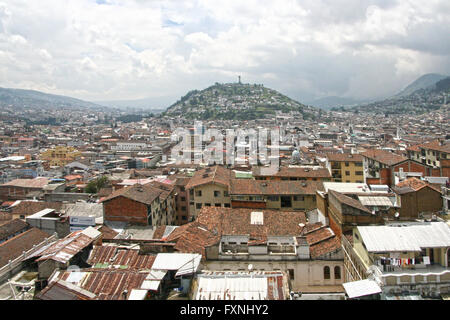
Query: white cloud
pixel 100 50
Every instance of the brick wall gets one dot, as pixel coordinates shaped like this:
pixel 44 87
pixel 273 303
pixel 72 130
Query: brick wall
pixel 125 210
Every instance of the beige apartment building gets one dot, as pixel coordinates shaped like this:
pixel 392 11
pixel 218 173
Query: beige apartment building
pixel 209 187
pixel 346 167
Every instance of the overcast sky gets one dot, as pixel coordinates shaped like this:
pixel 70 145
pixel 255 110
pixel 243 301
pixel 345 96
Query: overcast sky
pixel 115 50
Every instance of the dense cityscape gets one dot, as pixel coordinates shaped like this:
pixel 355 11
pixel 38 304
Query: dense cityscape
pixel 235 191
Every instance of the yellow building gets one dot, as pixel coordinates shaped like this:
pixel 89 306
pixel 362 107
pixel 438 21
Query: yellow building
pixel 346 167
pixel 60 155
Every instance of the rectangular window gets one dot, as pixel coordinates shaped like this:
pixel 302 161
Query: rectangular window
pixel 359 173
pixel 207 204
pixel 183 208
pixel 226 205
pixel 291 273
pixel 216 193
pixel 225 194
pixel 299 198
pixel 183 198
pixel 272 198
pixel 218 204
pixel 198 205
pixel 347 173
pixel 198 193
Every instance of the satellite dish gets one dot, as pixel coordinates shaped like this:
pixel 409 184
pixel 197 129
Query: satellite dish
pixel 397 215
pixel 250 267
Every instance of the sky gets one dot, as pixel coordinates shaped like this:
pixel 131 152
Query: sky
pixel 123 50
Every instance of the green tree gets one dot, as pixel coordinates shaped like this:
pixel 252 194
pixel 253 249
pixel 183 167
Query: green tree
pixel 95 185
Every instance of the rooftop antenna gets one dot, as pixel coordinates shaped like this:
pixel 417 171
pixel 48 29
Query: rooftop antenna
pixel 239 77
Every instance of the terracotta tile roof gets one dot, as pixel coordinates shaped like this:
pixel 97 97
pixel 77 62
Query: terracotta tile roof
pixel 232 221
pixel 216 174
pixel 116 256
pixel 14 247
pixel 159 232
pixel 140 193
pixel 297 172
pixel 325 247
pixel 383 156
pixel 36 183
pixel 107 233
pixel 413 185
pixel 344 157
pixel 349 201
pixel 274 187
pixel 319 235
pixel 436 145
pixel 31 207
pixel 12 227
pixel 5 217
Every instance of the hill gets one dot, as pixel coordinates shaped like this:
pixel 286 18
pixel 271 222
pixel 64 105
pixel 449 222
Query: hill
pixel 422 82
pixel 236 101
pixel 327 103
pixel 434 97
pixel 20 99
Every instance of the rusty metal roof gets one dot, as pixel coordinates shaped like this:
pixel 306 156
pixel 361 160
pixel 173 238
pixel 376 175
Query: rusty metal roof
pixel 106 284
pixel 119 257
pixel 65 249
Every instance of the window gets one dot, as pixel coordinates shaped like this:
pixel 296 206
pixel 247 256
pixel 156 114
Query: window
pixel 183 217
pixel 326 272
pixel 198 193
pixel 337 272
pixel 291 274
pixel 183 208
pixel 191 192
pixel 207 204
pixel 272 198
pixel 225 194
pixel 226 205
pixel 216 193
pixel 347 164
pixel 358 164
pixel 198 205
pixel 359 173
pixel 299 198
pixel 347 173
pixel 218 205
pixel 183 198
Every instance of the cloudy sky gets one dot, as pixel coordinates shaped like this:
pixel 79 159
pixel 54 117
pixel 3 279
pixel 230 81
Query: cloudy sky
pixel 121 50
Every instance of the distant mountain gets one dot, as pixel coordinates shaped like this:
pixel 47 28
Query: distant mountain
pixel 424 82
pixel 236 101
pixel 19 98
pixel 333 101
pixel 434 97
pixel 159 103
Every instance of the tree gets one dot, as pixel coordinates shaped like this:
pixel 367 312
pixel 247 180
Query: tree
pixel 95 185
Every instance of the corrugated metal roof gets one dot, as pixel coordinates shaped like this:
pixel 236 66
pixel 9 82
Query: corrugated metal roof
pixel 375 201
pixel 240 286
pixel 64 249
pixel 405 236
pixel 361 288
pixel 183 262
pixel 137 294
